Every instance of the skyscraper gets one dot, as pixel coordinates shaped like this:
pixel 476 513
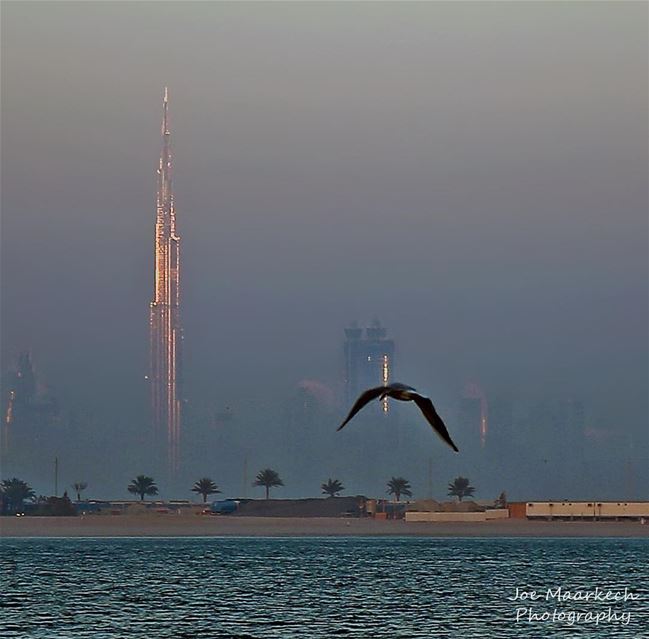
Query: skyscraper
pixel 473 417
pixel 165 328
pixel 19 393
pixel 369 360
pixel 29 414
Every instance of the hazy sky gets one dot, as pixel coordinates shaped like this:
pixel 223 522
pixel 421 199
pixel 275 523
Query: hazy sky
pixel 474 174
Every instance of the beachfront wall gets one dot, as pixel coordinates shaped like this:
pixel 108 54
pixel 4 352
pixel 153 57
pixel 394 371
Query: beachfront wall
pixel 428 516
pixel 587 509
pixel 497 513
pixel 419 516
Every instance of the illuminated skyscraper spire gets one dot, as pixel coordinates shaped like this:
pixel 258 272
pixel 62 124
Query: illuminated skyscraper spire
pixel 166 332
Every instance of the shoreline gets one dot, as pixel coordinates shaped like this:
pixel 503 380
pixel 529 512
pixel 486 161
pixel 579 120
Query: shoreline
pixel 232 526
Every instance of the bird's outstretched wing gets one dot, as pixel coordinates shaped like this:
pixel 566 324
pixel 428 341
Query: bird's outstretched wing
pixel 364 399
pixel 427 408
pixel 396 386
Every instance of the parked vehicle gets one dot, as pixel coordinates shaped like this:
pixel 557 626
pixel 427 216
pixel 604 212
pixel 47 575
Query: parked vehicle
pixel 224 506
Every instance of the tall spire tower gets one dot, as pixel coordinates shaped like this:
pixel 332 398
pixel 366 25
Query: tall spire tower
pixel 166 332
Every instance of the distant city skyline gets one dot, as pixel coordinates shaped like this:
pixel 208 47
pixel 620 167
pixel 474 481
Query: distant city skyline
pixel 473 174
pixel 42 430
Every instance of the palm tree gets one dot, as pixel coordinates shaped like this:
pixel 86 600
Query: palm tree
pixel 79 487
pixel 332 487
pixel 398 486
pixel 16 492
pixel 268 478
pixel 205 487
pixel 460 488
pixel 143 485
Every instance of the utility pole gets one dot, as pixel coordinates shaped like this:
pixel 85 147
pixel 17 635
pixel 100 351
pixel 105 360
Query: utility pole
pixel 245 477
pixel 56 476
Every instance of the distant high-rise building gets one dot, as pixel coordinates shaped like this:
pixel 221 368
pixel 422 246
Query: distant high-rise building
pixel 27 410
pixel 469 417
pixel 165 327
pixel 369 359
pixel 501 426
pixel 21 388
pixel 473 417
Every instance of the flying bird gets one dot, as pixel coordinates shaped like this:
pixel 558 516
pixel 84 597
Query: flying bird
pixel 404 394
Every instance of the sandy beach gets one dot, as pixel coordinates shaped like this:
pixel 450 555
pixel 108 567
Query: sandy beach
pixel 206 526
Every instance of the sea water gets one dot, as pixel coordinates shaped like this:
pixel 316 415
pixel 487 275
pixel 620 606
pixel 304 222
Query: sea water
pixel 157 588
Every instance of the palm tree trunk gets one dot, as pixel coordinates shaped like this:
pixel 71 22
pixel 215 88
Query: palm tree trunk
pixel 141 496
pixel 267 488
pixel 204 498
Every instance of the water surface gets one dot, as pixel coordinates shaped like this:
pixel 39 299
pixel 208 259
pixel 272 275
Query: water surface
pixel 265 588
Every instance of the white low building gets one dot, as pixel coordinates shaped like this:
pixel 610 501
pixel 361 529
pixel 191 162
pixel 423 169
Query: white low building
pixel 587 509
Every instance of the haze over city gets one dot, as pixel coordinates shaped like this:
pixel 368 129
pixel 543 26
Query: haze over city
pixel 473 175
